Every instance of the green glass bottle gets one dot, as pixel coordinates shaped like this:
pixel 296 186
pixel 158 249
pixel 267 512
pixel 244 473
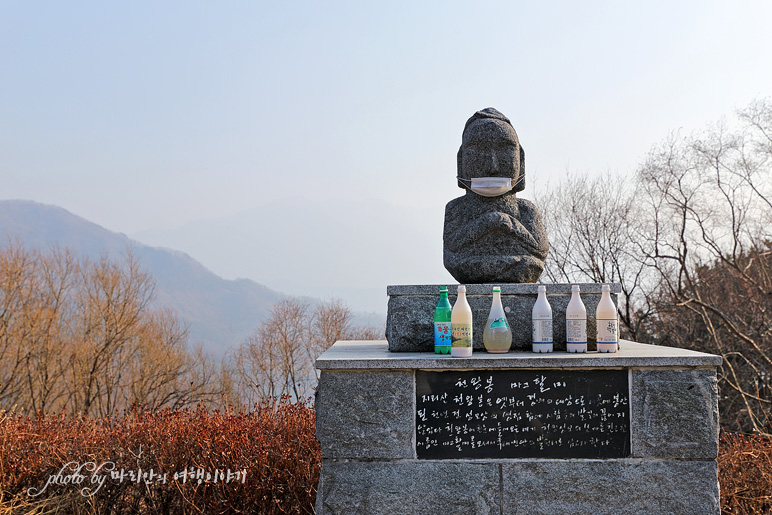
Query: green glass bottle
pixel 442 323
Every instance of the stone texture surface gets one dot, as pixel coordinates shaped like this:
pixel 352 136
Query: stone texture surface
pixel 493 239
pixel 611 486
pixel 674 413
pixel 365 414
pixel 407 487
pixel 375 355
pixel 365 424
pixel 410 316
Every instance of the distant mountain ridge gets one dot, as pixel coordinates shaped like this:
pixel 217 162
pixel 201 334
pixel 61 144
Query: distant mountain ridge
pixel 220 313
pixel 351 248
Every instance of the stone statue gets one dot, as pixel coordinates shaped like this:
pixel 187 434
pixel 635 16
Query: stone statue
pixel 491 236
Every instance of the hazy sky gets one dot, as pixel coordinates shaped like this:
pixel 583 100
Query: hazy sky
pixel 141 115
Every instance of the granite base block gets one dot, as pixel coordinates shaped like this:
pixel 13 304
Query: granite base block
pixel 410 314
pixel 408 488
pixel 365 414
pixel 611 486
pixel 674 413
pixel 519 487
pixel 366 425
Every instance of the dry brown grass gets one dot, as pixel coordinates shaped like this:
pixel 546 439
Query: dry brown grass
pixel 274 443
pixel 745 474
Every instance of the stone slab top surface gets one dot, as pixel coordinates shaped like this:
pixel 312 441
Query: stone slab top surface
pixel 374 355
pixel 506 288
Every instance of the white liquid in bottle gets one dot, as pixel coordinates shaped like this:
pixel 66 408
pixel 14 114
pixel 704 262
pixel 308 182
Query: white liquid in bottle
pixel 576 323
pixel 497 336
pixel 461 326
pixel 607 322
pixel 541 320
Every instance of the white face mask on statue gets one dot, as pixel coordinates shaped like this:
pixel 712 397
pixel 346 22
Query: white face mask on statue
pixel 489 186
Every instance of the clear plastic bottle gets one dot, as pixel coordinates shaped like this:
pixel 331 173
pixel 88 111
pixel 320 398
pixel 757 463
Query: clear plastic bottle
pixel 607 322
pixel 576 323
pixel 541 319
pixel 497 336
pixel 461 326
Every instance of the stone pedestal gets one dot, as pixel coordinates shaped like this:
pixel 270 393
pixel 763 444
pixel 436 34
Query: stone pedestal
pixel 373 434
pixel 410 315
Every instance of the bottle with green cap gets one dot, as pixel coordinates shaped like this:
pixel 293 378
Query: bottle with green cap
pixel 442 323
pixel 497 336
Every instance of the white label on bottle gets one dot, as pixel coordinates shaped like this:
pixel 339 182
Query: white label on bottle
pixel 576 330
pixel 542 331
pixel 607 330
pixel 461 335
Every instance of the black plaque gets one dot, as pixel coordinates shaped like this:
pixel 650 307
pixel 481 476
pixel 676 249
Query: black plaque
pixel 522 414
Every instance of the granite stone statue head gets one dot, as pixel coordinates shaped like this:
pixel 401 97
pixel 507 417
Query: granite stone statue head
pixel 490 148
pixel 490 235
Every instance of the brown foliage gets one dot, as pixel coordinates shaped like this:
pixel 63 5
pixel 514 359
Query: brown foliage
pixel 745 474
pixel 82 336
pixel 274 443
pixel 728 312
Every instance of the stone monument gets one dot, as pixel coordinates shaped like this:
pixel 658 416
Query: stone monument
pixel 491 236
pixel 405 430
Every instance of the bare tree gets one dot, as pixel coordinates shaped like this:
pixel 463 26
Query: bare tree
pixel 690 241
pixel 708 236
pixel 278 358
pixel 83 336
pixel 17 284
pixel 588 221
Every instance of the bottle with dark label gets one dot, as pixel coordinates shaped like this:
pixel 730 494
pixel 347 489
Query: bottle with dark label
pixel 442 323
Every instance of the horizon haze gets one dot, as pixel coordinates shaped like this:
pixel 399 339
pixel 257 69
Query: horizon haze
pixel 338 124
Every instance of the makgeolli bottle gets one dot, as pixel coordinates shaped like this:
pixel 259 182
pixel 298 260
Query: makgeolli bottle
pixel 461 326
pixel 442 323
pixel 497 336
pixel 541 319
pixel 576 323
pixel 608 323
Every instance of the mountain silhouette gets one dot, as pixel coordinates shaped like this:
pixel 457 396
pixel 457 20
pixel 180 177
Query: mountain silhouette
pixel 219 313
